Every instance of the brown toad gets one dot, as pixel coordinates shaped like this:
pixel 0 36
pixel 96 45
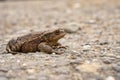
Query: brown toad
pixel 45 41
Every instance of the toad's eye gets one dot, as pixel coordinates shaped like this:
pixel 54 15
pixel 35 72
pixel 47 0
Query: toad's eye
pixel 57 32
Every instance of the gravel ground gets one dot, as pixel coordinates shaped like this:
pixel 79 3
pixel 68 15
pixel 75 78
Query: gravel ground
pixel 93 39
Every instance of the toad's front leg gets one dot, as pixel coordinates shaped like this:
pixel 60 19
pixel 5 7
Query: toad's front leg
pixel 44 47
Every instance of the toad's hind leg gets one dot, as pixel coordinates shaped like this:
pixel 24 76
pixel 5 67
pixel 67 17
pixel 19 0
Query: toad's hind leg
pixel 43 47
pixel 13 46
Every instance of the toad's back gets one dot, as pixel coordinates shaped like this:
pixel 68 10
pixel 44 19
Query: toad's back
pixel 25 43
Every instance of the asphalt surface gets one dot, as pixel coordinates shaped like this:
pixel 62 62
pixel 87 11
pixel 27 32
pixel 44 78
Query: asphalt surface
pixel 93 39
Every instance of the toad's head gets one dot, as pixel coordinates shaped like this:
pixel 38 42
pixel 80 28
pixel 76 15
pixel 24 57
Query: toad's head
pixel 55 35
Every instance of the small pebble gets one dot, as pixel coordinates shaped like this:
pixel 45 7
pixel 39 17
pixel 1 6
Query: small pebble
pixel 24 64
pixel 86 47
pixel 18 61
pixel 53 53
pixel 31 77
pixel 76 62
pixel 42 77
pixel 116 67
pixel 91 21
pixel 30 71
pixel 110 78
pixel 107 61
pixel 72 27
pixel 73 57
pixel 104 43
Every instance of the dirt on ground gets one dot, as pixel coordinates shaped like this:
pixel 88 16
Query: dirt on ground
pixel 92 39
